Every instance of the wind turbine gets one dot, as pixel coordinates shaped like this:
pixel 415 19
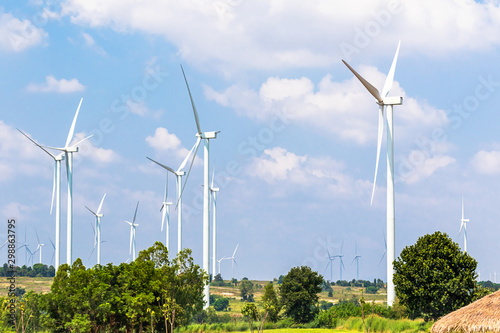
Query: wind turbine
pixel 213 191
pixel 383 101
pixel 165 208
pixel 56 191
pixel 206 209
pixel 178 175
pixel 133 225
pixel 219 261
pixel 68 151
pixel 233 261
pixel 97 238
pixel 39 246
pixel 463 226
pixel 356 258
pixel 330 260
pixel 341 262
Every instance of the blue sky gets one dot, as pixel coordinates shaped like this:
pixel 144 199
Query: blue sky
pixel 296 153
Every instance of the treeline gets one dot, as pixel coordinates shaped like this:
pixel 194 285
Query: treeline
pixel 151 293
pixel 489 285
pixel 38 270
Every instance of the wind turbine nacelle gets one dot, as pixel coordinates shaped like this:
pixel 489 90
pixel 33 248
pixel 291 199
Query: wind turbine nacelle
pixel 215 189
pixel 209 135
pixel 393 101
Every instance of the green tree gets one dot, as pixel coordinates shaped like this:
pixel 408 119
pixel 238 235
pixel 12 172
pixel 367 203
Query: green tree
pixel 270 297
pixel 251 313
pixel 299 293
pixel 246 290
pixel 221 304
pixel 434 277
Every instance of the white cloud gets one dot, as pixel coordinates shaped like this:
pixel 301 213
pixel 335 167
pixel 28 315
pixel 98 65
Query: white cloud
pixel 271 34
pixel 90 42
pixel 15 210
pixel 51 84
pixel 343 108
pixel 141 109
pixel 87 150
pixel 277 165
pixel 487 162
pixel 17 35
pixel 165 143
pixel 423 166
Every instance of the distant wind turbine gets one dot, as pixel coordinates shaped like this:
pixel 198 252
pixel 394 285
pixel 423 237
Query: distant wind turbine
pixel 233 261
pixel 97 236
pixel 383 255
pixel 133 225
pixel 331 259
pixel 207 136
pixel 463 225
pixel 382 100
pixel 56 192
pixel 178 174
pixel 356 258
pixel 341 262
pixel 39 246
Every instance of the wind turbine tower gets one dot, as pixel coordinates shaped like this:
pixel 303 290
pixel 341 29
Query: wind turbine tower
pixel 341 263
pixel 356 258
pixel 133 225
pixel 383 101
pixel 207 136
pixel 213 191
pixel 463 226
pixel 97 239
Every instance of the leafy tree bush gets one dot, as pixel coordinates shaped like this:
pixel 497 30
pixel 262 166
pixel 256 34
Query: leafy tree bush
pixel 221 304
pixel 299 293
pixel 246 290
pixel 270 297
pixel 434 277
pixel 371 290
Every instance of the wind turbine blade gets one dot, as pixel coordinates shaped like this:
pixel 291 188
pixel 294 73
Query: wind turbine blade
pixel 192 103
pixel 162 165
pixel 90 210
pixel 100 205
pixel 164 214
pixel 461 227
pixel 135 214
pixel 213 176
pixel 379 146
pixel 72 129
pixel 131 231
pixel 36 143
pixel 342 246
pixel 189 171
pixel 365 83
pixel 236 249
pixel 183 164
pixel 382 258
pixel 328 263
pixel 88 137
pixel 390 76
pixel 37 239
pixel 166 189
pixel 53 190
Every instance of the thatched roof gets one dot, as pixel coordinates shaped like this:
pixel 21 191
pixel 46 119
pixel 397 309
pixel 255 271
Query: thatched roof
pixel 482 315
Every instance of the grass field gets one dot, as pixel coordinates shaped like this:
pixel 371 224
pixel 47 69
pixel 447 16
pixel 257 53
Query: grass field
pixel 37 284
pixel 305 330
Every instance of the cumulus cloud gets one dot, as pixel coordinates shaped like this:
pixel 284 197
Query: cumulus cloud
pixel 18 35
pixel 87 150
pixel 226 34
pixel 61 86
pixel 165 143
pixel 279 166
pixel 342 108
pixel 90 42
pixel 487 162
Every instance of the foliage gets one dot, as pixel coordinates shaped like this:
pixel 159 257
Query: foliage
pixel 246 290
pixel 299 293
pixel 221 304
pixel 150 291
pixel 270 297
pixel 38 270
pixel 251 313
pixel 489 285
pixel 371 290
pixel 434 277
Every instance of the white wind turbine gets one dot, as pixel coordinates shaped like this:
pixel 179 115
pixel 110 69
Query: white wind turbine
pixel 178 174
pixel 133 225
pixel 356 258
pixel 56 192
pixel 463 226
pixel 233 261
pixel 330 260
pixel 68 151
pixel 97 238
pixel 206 209
pixel 382 100
pixel 213 191
pixel 340 256
pixel 39 246
pixel 219 261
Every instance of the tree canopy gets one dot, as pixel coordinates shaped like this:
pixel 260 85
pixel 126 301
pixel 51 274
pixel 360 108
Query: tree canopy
pixel 434 277
pixel 299 293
